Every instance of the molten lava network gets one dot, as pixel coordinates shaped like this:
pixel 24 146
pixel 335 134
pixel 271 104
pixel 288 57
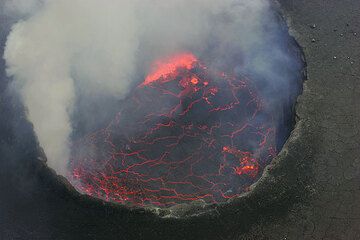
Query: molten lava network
pixel 187 133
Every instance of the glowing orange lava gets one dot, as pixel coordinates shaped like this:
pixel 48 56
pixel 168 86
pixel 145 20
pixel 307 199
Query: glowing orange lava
pixel 164 68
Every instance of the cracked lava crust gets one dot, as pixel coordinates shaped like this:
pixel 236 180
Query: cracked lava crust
pixel 187 133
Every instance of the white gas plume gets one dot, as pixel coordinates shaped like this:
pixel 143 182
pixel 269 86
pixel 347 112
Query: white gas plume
pixel 98 46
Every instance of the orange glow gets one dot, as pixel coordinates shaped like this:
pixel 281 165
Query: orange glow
pixel 194 81
pixel 164 68
pixel 251 170
pixel 248 165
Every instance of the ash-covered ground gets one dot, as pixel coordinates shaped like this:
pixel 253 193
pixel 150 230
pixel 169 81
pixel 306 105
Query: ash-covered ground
pixel 312 192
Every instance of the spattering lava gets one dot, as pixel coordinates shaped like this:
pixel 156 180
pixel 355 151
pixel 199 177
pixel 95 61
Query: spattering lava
pixel 186 133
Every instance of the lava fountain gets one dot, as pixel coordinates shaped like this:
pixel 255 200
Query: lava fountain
pixel 186 133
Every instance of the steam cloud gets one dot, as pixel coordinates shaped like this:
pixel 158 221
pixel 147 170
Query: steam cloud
pixel 65 49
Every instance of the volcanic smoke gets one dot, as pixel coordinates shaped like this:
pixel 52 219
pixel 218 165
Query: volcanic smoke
pixel 156 103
